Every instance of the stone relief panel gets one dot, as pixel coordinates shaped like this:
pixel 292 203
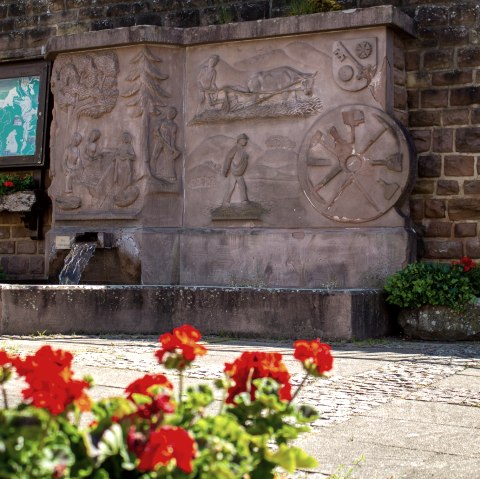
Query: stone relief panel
pixel 241 180
pixel 354 164
pixel 149 101
pixel 354 62
pixel 115 132
pixel 227 92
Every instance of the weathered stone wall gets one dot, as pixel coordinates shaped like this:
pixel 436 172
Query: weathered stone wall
pixel 442 78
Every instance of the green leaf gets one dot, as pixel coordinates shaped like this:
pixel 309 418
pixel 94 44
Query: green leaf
pixel 291 458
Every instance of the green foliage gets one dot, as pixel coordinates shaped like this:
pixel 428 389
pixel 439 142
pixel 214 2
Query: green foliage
pixel 433 284
pixel 306 7
pixel 11 183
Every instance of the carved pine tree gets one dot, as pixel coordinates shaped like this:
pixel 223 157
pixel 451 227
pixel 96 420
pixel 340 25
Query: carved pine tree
pixel 145 95
pixel 145 76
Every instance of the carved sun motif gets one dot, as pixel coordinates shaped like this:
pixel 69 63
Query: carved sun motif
pixel 363 49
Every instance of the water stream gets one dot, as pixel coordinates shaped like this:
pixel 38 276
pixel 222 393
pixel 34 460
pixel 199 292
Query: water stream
pixel 75 262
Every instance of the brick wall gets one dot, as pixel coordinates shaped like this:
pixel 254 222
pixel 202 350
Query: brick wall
pixel 442 78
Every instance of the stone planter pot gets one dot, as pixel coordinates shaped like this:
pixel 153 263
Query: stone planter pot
pixel 441 323
pixel 19 202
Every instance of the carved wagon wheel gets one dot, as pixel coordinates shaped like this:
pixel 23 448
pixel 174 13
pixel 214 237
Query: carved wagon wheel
pixel 354 163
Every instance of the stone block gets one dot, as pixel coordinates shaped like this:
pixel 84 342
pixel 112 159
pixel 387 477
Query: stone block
pixel 447 187
pixel 438 229
pixel 434 208
pixel 442 249
pixel 419 79
pixel 412 60
pixel 431 15
pixel 467 140
pixel 417 209
pixel 468 56
pixel 26 247
pixel 452 77
pixel 441 323
pixel 462 14
pixel 20 232
pixel 17 265
pixel 423 187
pixel 465 96
pixel 37 266
pixel 413 99
pixel 251 312
pixel 400 97
pixel 434 98
pixel 4 232
pixel 453 35
pixel 442 140
pixel 472 248
pixel 7 247
pixel 429 166
pixel 464 230
pixel 422 140
pixel 471 187
pixel 464 209
pixel 438 59
pixel 425 118
pixel 459 165
pixel 455 116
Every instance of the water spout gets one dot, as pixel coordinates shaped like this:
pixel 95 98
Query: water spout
pixel 76 261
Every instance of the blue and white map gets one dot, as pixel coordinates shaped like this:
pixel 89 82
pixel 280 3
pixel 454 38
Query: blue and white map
pixel 18 115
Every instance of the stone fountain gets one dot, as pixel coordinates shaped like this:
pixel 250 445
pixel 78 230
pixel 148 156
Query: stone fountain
pixel 251 178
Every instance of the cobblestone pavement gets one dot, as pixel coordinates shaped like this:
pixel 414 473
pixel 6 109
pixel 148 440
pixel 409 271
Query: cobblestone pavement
pixel 366 375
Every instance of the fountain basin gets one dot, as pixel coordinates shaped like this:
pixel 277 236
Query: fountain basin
pixel 247 312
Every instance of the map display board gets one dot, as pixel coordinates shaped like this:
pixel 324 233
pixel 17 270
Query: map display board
pixel 18 115
pixel 23 93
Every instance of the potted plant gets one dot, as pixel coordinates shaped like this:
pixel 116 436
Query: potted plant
pixel 151 432
pixel 437 300
pixel 16 192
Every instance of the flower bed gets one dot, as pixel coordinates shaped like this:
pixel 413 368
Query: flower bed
pixel 151 432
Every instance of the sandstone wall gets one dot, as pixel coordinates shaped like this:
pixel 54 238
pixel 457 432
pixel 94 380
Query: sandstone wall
pixel 442 78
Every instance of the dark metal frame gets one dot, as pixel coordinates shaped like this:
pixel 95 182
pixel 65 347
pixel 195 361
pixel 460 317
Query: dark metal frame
pixel 19 70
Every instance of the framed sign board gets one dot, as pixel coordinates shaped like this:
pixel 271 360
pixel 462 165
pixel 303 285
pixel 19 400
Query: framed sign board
pixel 23 110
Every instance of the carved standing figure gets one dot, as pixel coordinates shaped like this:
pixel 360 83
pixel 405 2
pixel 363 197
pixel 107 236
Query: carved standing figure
pixel 165 151
pixel 72 161
pixel 123 172
pixel 207 87
pixel 235 164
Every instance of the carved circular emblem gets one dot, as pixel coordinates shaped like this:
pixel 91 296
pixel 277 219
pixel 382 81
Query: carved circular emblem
pixel 354 163
pixel 363 49
pixel 345 73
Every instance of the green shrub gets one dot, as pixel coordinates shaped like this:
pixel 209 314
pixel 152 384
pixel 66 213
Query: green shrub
pixel 305 7
pixel 11 183
pixel 434 284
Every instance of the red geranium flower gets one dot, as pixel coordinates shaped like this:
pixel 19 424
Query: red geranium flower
pixel 8 184
pixel 50 379
pixel 153 386
pixel 165 444
pixel 315 356
pixel 180 347
pixel 466 262
pixel 254 365
pixel 6 363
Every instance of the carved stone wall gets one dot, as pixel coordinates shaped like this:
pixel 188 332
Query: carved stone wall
pixel 275 161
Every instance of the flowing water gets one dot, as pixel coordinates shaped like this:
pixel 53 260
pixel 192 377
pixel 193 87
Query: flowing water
pixel 75 262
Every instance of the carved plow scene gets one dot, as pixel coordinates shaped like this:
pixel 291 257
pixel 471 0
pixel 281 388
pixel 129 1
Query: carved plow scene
pixel 272 93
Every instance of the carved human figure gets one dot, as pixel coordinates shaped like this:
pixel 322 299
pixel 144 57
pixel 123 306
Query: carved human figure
pixel 207 87
pixel 235 164
pixel 72 161
pixel 165 151
pixel 91 149
pixel 125 156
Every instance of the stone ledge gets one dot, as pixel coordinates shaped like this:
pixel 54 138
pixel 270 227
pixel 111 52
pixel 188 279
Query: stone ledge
pixel 275 27
pixel 246 312
pixel 19 202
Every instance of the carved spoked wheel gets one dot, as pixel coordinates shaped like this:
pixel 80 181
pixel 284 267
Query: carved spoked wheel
pixel 354 164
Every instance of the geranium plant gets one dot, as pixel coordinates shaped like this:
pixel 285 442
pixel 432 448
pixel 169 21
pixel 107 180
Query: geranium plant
pixel 438 284
pixel 152 432
pixel 11 183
